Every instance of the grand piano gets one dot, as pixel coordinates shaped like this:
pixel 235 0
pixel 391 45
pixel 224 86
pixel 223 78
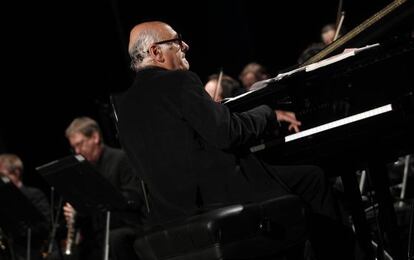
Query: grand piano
pixel 357 112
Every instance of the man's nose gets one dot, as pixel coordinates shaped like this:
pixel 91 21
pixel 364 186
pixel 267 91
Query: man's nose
pixel 185 47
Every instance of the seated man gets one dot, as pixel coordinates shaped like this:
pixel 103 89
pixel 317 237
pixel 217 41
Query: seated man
pixel 228 87
pixel 12 167
pixel 189 148
pixel 327 37
pixel 252 73
pixel 85 138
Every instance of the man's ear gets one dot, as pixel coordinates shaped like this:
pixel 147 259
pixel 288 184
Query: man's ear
pixel 18 174
pixel 156 53
pixel 96 137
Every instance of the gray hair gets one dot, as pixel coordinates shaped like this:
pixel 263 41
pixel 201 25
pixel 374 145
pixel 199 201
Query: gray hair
pixel 138 51
pixel 12 163
pixel 84 125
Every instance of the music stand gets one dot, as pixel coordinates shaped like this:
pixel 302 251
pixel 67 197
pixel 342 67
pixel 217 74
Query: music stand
pixel 84 188
pixel 17 211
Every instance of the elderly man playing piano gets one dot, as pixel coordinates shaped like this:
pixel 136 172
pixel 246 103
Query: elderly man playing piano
pixel 189 148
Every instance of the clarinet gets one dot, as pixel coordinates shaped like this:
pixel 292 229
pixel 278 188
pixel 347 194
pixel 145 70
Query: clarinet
pixel 3 242
pixel 70 236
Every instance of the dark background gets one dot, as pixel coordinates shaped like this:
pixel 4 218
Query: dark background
pixel 63 59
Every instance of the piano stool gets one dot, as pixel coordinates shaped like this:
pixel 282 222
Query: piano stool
pixel 264 230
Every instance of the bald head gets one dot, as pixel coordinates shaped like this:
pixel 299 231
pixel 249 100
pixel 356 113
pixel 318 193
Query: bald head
pixel 155 28
pixel 144 49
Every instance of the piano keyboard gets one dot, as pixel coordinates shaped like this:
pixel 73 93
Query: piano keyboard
pixel 341 122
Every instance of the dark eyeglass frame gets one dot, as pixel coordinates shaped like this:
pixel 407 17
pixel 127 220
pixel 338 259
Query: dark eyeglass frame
pixel 178 39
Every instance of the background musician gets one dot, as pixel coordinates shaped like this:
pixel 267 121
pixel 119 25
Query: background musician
pixel 85 138
pixel 228 87
pixel 327 37
pixel 252 73
pixel 11 166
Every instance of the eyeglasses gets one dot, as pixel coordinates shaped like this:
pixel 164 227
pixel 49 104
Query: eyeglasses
pixel 81 143
pixel 178 39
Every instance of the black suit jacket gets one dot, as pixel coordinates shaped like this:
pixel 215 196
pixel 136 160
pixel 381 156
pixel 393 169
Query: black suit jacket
pixel 114 166
pixel 40 231
pixel 182 143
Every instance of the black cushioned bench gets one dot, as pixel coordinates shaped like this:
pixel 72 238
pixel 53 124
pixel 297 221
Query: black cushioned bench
pixel 249 231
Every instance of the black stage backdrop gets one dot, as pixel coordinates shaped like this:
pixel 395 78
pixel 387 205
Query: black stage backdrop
pixel 65 57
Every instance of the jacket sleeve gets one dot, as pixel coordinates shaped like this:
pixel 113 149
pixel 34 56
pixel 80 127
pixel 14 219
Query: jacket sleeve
pixel 38 199
pixel 214 122
pixel 130 183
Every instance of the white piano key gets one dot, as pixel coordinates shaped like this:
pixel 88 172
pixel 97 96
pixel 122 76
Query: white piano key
pixel 340 122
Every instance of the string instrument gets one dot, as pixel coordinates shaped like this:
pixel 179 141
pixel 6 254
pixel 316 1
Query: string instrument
pixel 217 90
pixel 369 23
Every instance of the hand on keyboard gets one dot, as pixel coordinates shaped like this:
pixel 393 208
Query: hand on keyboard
pixel 289 117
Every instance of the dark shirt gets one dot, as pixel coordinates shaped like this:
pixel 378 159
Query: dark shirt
pixel 39 200
pixel 39 230
pixel 115 167
pixel 113 164
pixel 182 142
pixel 310 51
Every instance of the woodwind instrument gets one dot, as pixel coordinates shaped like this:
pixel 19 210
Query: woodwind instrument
pixel 71 237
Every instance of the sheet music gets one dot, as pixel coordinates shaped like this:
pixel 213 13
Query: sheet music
pixel 311 67
pixel 329 60
pixel 338 57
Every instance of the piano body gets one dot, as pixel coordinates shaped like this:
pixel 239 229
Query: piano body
pixel 357 112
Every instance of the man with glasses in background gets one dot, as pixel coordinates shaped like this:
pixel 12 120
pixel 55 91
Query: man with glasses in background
pixel 85 137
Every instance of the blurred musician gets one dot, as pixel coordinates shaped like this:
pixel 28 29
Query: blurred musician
pixel 11 166
pixel 84 135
